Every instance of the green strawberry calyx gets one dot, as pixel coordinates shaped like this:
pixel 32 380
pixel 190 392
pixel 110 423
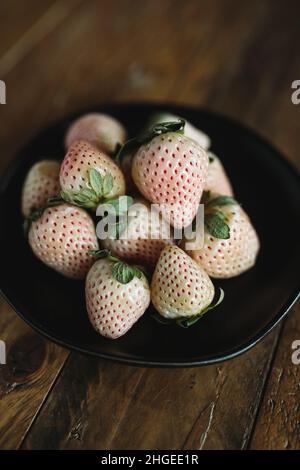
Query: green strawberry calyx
pixel 97 190
pixel 214 217
pixel 186 322
pixel 34 215
pixel 121 271
pixel 158 129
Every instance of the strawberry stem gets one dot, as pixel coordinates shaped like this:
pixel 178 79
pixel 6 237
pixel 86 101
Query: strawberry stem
pixel 121 271
pixel 158 129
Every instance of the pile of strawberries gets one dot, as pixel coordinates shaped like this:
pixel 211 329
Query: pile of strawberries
pixel 169 165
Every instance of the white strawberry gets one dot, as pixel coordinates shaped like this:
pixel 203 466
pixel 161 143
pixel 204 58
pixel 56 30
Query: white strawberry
pixel 88 176
pixel 144 238
pixel 100 130
pixel 217 181
pixel 41 183
pixel 117 295
pixel 61 237
pixel 170 170
pixel 180 289
pixel 231 243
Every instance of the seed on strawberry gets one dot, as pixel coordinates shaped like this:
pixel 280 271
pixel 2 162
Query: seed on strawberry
pixel 217 181
pixel 180 288
pixel 170 170
pixel 231 243
pixel 189 130
pixel 62 238
pixel 88 176
pixel 41 183
pixel 143 239
pixel 117 295
pixel 100 130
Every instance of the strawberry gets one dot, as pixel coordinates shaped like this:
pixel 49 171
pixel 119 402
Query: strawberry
pixel 170 170
pixel 231 244
pixel 61 238
pixel 88 176
pixel 144 238
pixel 100 130
pixel 180 288
pixel 117 295
pixel 217 181
pixel 189 130
pixel 41 182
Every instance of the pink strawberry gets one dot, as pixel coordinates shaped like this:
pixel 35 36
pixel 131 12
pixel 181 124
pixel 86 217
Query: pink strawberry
pixel 170 171
pixel 117 295
pixel 180 288
pixel 231 244
pixel 62 238
pixel 100 130
pixel 88 176
pixel 41 182
pixel 217 181
pixel 144 237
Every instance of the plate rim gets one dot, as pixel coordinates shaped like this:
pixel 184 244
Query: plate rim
pixel 233 352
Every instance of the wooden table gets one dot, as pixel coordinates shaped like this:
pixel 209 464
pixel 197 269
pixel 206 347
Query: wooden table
pixel 236 57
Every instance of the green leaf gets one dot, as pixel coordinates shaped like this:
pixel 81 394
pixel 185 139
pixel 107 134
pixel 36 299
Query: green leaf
pixel 34 215
pixel 157 129
pixel 120 227
pixel 216 226
pixel 120 204
pixel 185 322
pixel 66 197
pixel 205 197
pixel 100 253
pixel 222 201
pixel 117 149
pixel 54 201
pixel 124 273
pixel 96 182
pixel 108 183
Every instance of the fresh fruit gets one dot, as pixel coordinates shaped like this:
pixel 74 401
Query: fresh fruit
pixel 41 183
pixel 189 130
pixel 180 288
pixel 170 170
pixel 217 181
pixel 62 237
pixel 88 176
pixel 231 244
pixel 117 295
pixel 144 238
pixel 100 130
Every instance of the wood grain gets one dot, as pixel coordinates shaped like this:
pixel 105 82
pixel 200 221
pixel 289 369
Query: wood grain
pixel 32 367
pixel 223 55
pixel 99 405
pixel 278 423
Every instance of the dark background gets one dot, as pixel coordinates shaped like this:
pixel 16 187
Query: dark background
pixel 238 58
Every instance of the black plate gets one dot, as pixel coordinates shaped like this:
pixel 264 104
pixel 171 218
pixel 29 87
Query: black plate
pixel 266 185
